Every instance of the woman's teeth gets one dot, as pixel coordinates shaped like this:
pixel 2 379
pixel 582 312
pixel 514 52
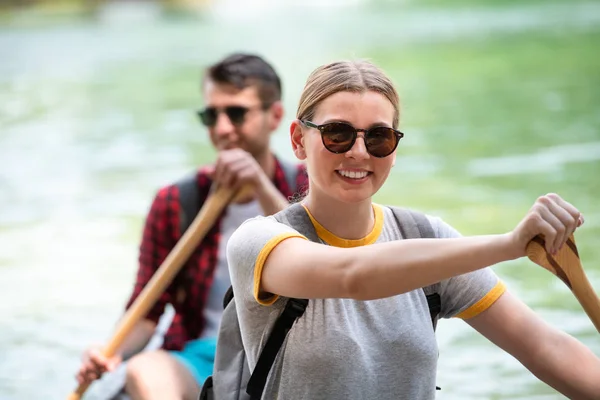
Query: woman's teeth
pixel 353 174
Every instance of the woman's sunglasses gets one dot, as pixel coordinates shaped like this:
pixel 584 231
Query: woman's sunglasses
pixel 236 115
pixel 339 137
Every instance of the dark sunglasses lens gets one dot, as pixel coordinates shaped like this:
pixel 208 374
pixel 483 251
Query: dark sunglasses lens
pixel 338 137
pixel 381 142
pixel 208 116
pixel 236 114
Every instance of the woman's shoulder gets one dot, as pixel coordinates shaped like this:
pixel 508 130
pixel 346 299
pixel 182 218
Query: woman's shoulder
pixel 440 227
pixel 259 229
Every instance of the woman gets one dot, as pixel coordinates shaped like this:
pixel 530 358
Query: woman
pixel 366 332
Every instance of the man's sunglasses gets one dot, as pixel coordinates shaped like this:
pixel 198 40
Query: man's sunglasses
pixel 339 137
pixel 236 115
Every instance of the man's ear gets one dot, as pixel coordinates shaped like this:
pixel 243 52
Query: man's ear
pixel 276 112
pixel 297 139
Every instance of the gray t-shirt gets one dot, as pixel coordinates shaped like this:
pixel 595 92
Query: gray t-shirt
pixel 344 348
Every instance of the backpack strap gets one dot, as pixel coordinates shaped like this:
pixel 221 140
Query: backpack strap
pixel 412 225
pixel 296 217
pixel 293 310
pixel 189 198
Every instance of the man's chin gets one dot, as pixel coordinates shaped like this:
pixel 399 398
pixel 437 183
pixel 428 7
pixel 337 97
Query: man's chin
pixel 228 146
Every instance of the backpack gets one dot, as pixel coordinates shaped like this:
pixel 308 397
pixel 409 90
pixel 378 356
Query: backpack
pixel 232 378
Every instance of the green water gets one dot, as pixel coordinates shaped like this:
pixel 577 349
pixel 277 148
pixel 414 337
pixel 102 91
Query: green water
pixel 500 105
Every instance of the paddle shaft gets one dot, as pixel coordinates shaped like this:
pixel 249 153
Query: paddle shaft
pixel 212 208
pixel 583 291
pixel 566 265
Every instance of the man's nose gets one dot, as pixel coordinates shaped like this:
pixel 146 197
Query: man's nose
pixel 223 125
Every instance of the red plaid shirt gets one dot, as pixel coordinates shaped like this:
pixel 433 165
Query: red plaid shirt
pixel 189 290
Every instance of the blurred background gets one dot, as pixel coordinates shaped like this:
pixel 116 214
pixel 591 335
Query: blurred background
pixel 501 104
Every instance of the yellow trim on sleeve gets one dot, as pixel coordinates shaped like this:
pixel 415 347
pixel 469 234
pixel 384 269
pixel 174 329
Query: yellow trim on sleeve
pixel 267 299
pixel 484 303
pixel 337 241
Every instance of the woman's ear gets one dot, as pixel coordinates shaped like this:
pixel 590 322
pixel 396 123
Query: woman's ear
pixel 297 138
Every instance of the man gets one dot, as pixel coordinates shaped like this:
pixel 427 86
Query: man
pixel 243 107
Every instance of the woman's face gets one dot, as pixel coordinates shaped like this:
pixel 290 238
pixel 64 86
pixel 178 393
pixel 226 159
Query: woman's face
pixel 353 176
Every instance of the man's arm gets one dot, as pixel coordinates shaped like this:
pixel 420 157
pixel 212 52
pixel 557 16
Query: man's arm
pixel 270 198
pixel 553 356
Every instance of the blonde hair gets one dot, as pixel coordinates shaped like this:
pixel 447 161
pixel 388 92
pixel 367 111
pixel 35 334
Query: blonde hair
pixel 346 76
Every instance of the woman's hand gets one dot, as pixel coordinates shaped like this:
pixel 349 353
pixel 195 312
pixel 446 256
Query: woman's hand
pixel 550 217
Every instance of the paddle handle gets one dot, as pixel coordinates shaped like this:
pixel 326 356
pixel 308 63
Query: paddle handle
pixel 212 208
pixel 76 395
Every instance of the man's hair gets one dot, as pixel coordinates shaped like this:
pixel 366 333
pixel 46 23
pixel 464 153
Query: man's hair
pixel 242 70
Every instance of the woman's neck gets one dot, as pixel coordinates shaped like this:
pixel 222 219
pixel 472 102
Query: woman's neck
pixel 345 220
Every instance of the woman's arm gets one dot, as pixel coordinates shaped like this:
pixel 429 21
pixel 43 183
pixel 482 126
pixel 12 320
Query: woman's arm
pixel 294 267
pixel 298 268
pixel 553 356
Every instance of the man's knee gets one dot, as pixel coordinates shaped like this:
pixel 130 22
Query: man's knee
pixel 157 375
pixel 138 376
pixel 146 378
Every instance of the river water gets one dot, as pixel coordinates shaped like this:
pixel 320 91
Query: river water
pixel 96 115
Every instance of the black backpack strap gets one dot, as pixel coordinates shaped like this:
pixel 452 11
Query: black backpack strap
pixel 189 199
pixel 293 310
pixel 228 297
pixel 295 216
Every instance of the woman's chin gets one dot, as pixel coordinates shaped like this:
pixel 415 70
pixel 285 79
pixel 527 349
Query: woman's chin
pixel 356 195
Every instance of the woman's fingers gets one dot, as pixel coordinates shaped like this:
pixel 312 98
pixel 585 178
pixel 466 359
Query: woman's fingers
pixel 563 222
pixel 570 208
pixel 561 215
pixel 549 233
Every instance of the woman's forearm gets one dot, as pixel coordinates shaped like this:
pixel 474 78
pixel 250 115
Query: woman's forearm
pixel 567 365
pixel 397 267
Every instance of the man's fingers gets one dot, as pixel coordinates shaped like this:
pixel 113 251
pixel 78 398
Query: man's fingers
pixel 98 358
pixel 230 172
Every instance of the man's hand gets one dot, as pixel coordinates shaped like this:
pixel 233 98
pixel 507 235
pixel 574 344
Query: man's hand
pixel 235 168
pixel 94 364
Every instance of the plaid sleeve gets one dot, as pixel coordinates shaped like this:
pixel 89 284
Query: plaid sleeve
pixel 157 241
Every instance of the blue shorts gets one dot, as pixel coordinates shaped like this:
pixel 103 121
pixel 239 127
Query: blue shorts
pixel 198 356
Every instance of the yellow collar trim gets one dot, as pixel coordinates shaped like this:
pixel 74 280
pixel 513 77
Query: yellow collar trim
pixel 337 241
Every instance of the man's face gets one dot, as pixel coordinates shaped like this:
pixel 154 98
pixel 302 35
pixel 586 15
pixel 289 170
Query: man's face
pixel 249 132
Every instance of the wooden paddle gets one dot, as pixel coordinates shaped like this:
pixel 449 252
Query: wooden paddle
pixel 566 265
pixel 213 206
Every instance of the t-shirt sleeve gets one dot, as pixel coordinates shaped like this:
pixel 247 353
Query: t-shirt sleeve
pixel 248 249
pixel 465 296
